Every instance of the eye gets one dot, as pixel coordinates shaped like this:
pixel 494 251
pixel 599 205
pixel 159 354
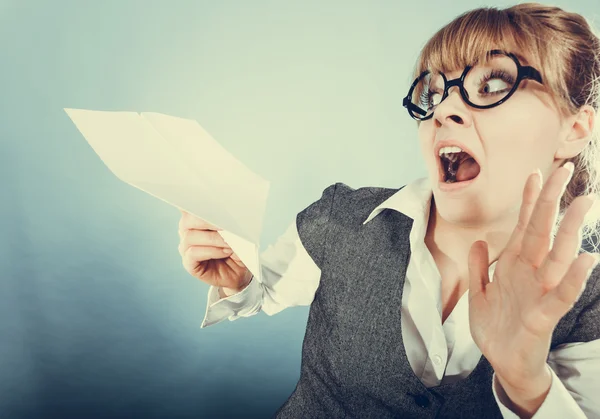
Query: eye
pixel 493 83
pixel 435 98
pixel 493 86
pixel 431 98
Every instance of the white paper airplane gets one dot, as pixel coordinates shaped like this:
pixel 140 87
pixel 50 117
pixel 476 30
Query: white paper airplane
pixel 177 161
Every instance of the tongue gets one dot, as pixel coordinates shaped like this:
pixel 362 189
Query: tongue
pixel 467 170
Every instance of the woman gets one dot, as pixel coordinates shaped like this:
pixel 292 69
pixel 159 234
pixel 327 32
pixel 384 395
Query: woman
pixel 479 240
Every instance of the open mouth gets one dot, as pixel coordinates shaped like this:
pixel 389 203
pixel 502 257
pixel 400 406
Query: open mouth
pixel 458 167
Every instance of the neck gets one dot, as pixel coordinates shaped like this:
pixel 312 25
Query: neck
pixel 450 243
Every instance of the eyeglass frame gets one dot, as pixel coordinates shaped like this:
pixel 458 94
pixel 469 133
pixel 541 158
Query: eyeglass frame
pixel 523 72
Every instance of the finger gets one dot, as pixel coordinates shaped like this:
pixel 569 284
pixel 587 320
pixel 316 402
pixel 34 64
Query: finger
pixel 196 254
pixel 566 245
pixel 536 241
pixel 188 221
pixel 478 268
pixel 201 238
pixel 557 302
pixel 237 260
pixel 530 196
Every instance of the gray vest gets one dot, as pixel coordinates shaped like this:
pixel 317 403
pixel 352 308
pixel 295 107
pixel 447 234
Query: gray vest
pixel 353 359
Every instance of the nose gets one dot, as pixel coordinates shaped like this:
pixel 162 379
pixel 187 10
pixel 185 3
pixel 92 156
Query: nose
pixel 452 109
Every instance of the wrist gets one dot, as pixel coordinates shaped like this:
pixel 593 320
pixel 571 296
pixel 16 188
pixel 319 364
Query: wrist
pixel 228 292
pixel 225 292
pixel 526 402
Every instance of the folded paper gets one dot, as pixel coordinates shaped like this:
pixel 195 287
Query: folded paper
pixel 177 161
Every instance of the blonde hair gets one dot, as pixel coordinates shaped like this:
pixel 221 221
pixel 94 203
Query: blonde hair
pixel 564 48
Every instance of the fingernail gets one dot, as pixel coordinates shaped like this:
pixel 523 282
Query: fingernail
pixel 569 166
pixel 227 250
pixel 538 172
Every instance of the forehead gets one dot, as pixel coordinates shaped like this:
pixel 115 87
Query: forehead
pixel 456 67
pixel 454 51
pixel 467 39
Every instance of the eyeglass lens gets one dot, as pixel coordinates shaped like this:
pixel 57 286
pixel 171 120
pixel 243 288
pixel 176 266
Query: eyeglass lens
pixel 486 83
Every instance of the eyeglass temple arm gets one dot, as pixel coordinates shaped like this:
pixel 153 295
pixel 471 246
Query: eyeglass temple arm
pixel 408 104
pixel 531 73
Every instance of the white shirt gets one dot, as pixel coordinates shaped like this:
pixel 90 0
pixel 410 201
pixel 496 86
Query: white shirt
pixel 438 353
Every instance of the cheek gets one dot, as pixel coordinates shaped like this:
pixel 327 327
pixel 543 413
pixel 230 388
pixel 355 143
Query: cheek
pixel 527 122
pixel 519 137
pixel 426 139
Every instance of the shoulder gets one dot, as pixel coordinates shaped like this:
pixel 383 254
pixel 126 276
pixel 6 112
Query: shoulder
pixel 341 203
pixel 342 193
pixel 341 206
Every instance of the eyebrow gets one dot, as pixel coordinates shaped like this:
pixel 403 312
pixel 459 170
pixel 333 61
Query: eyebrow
pixel 522 59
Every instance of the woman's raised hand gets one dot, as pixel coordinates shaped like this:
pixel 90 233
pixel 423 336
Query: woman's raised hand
pixel 208 257
pixel 512 318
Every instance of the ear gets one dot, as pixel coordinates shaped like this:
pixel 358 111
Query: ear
pixel 578 131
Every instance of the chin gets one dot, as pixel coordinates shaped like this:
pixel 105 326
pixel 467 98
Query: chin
pixel 458 209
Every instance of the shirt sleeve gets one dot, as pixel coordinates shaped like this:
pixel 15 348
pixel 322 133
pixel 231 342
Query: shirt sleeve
pixel 290 269
pixel 575 369
pixel 289 278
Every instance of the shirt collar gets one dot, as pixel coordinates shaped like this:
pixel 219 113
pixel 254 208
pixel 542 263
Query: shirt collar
pixel 413 200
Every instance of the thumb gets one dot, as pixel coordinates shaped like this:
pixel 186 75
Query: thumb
pixel 478 267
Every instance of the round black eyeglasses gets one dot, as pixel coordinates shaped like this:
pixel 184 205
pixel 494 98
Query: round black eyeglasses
pixel 474 84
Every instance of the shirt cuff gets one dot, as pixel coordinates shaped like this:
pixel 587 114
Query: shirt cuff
pixel 245 303
pixel 558 402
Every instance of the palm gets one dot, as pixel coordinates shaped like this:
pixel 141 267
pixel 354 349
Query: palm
pixel 506 317
pixel 512 317
pixel 220 272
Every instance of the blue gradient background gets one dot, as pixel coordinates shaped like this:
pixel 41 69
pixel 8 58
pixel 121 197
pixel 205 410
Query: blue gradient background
pixel 98 317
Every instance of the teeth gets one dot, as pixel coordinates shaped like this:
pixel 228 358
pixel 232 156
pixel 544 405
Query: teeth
pixel 451 149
